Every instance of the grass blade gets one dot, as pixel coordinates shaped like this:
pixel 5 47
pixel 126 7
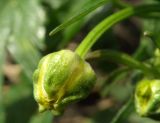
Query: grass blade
pixel 78 16
pixel 123 113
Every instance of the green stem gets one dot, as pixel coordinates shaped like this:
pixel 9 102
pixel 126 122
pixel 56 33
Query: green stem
pixel 92 37
pixel 124 59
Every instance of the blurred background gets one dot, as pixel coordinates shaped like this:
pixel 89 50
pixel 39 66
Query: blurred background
pixel 24 39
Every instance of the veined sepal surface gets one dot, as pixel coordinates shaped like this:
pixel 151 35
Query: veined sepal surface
pixel 62 78
pixel 147 98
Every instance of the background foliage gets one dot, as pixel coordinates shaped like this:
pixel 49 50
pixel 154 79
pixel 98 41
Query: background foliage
pixel 24 39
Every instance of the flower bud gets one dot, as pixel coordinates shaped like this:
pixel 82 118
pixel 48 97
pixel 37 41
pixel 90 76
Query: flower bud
pixel 147 98
pixel 61 78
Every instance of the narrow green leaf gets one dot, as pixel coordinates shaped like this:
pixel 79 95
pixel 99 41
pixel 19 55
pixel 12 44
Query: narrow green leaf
pixel 124 112
pixel 108 22
pixel 73 29
pixel 78 16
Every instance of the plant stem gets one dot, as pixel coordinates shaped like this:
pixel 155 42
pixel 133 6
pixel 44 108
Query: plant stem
pixel 92 37
pixel 124 59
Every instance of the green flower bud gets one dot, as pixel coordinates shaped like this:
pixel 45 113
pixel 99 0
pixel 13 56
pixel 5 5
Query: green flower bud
pixel 62 78
pixel 147 98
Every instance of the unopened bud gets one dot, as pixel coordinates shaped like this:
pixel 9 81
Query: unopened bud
pixel 147 98
pixel 62 78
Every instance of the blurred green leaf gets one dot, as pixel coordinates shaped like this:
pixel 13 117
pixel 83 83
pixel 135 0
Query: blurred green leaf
pixel 150 1
pixel 21 23
pixel 152 26
pixel 145 49
pixel 104 116
pixel 21 32
pixel 134 118
pixel 19 103
pixel 112 80
pixel 4 33
pixel 17 92
pixel 21 110
pixel 2 55
pixel 124 112
pixel 56 3
pixel 45 117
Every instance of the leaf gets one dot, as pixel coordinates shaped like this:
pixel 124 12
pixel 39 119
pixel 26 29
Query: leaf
pixel 23 21
pixel 79 16
pixel 145 49
pixel 56 4
pixel 19 103
pixel 135 118
pixel 73 29
pixel 45 117
pixel 124 112
pixel 152 26
pixel 2 57
pixel 21 32
pixel 4 32
pixel 150 1
pixel 17 92
pixel 112 79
